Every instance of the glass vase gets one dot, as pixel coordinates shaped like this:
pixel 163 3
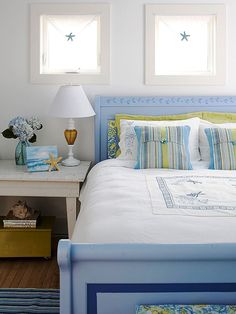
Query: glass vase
pixel 20 153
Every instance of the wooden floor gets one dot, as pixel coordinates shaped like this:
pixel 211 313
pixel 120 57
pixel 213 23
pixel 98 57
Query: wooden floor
pixel 30 272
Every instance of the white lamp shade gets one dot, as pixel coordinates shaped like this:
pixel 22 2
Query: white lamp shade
pixel 71 102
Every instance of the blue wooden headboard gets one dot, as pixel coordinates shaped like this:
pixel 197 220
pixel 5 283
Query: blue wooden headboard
pixel 107 107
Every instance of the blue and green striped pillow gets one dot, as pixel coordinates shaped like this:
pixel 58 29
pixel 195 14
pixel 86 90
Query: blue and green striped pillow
pixel 163 147
pixel 222 144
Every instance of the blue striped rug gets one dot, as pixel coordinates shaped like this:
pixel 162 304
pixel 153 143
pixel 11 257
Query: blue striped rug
pixel 27 301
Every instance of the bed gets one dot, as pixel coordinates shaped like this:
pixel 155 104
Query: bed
pixel 118 257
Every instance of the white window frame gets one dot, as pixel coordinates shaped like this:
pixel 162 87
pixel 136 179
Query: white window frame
pixel 219 75
pixel 38 10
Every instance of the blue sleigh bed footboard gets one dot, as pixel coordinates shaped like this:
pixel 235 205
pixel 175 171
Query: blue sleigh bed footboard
pixel 114 278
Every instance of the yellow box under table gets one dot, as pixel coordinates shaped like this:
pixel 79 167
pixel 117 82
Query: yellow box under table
pixel 27 242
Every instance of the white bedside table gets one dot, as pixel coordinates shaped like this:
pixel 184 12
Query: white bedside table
pixel 17 181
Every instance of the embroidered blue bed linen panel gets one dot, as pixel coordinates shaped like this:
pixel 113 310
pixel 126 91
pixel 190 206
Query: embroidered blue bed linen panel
pixel 194 195
pixel 107 106
pixel 166 147
pixel 222 144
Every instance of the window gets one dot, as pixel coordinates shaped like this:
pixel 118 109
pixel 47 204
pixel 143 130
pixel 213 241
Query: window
pixel 64 51
pixel 185 44
pixel 70 43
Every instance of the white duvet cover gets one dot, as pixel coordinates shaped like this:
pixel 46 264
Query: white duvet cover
pixel 117 207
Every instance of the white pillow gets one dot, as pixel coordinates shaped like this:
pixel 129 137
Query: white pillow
pixel 128 140
pixel 203 141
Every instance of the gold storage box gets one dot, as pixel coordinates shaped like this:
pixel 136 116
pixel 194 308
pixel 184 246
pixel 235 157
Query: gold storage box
pixel 27 242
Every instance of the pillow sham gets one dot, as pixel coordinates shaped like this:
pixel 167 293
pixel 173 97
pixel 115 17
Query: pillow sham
pixel 163 147
pixel 175 117
pixel 112 140
pixel 214 117
pixel 128 139
pixel 222 144
pixel 203 141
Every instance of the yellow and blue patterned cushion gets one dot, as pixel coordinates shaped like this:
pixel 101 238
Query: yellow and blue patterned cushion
pixel 186 309
pixel 222 144
pixel 112 140
pixel 163 147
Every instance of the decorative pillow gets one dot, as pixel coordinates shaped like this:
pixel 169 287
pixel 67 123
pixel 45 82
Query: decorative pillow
pixel 172 117
pixel 222 144
pixel 128 140
pixel 219 117
pixel 214 117
pixel 187 309
pixel 163 147
pixel 112 140
pixel 203 141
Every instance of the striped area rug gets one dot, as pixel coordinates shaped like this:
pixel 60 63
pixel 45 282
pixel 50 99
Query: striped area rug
pixel 27 301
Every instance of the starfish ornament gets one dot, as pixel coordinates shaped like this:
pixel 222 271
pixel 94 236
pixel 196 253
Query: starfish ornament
pixel 184 36
pixel 53 162
pixel 70 37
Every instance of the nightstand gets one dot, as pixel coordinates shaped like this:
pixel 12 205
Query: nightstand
pixel 66 183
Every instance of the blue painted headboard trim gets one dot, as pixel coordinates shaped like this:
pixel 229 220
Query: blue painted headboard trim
pixel 107 107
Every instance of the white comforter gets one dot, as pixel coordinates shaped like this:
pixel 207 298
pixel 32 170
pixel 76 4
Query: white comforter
pixel 116 207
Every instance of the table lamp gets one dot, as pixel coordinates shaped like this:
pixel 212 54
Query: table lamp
pixel 71 102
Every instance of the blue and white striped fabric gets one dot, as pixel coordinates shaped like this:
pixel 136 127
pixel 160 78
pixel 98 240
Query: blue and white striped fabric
pixel 163 147
pixel 222 144
pixel 30 301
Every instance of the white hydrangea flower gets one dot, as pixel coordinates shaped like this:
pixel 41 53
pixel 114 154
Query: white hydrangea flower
pixel 35 123
pixel 23 131
pixel 23 128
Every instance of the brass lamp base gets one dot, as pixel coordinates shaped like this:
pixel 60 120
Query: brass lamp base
pixel 70 135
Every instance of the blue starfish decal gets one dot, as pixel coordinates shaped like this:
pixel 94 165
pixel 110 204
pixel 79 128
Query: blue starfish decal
pixel 70 37
pixel 195 195
pixel 184 36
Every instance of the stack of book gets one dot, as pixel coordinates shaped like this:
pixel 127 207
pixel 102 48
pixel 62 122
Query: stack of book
pixel 10 221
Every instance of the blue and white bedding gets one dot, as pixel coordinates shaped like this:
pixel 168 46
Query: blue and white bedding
pixel 117 206
pixel 200 195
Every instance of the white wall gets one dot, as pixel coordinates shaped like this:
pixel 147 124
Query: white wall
pixel 19 97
